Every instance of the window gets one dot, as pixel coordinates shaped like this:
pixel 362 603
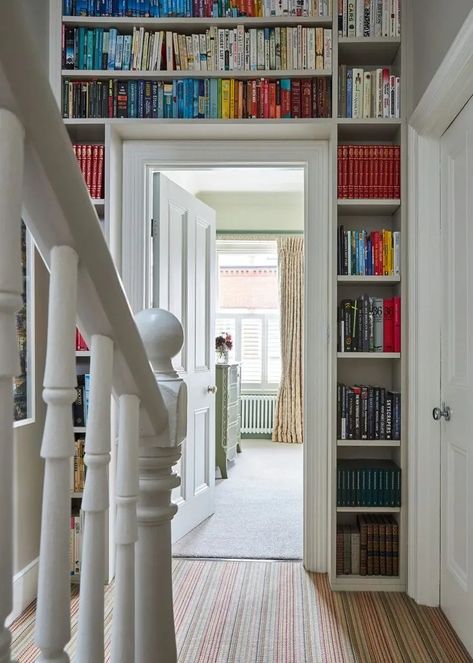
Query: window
pixel 248 309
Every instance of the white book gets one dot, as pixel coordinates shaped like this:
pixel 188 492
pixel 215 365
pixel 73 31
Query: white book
pixel 378 96
pixel 345 18
pixel 190 52
pixel 351 18
pixel 386 18
pixel 299 47
pixel 221 50
pixel 360 15
pixel 397 18
pixel 139 58
pixel 304 49
pixel 357 96
pixel 169 51
pixel 267 62
pixel 175 44
pixel 367 94
pixel 247 51
pixel 397 98
pixel 253 49
pixel 183 61
pixel 378 25
pixel 392 19
pixel 386 94
pixel 203 52
pixel 397 253
pixel 134 48
pixel 260 48
pixel 277 47
pixel 196 51
pixel 289 49
pixel 372 17
pixel 119 53
pixel 295 48
pixel 311 48
pixel 272 50
pixel 144 61
pixel 327 49
pixel 240 48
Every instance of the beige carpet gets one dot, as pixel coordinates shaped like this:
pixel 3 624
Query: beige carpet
pixel 275 612
pixel 258 509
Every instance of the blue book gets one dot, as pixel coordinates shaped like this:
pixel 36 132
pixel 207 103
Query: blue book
pixel 132 99
pixel 154 8
pixel 90 7
pixel 206 97
pixel 160 99
pixel 180 99
pixel 81 7
pixel 67 8
pixel 86 395
pixel 82 48
pixel 98 48
pixel 213 102
pixel 119 8
pixel 119 52
pixel 168 99
pixel 141 98
pixel 144 7
pixel 286 89
pixel 105 47
pixel 164 8
pixel 89 62
pixel 174 99
pixel 154 99
pixel 349 93
pixel 131 8
pixel 188 91
pixel 147 100
pixel 112 45
pixel 126 60
pixel 201 98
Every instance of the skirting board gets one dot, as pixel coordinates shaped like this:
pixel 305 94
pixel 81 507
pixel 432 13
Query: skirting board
pixel 25 589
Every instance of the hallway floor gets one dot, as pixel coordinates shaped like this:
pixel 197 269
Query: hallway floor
pixel 275 612
pixel 258 509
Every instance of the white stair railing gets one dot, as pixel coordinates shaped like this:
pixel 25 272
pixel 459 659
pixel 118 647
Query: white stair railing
pixel 50 194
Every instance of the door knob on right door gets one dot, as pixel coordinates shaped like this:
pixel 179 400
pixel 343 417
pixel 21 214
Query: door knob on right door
pixel 444 411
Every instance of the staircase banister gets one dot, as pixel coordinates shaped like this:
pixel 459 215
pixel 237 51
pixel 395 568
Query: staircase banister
pixel 58 211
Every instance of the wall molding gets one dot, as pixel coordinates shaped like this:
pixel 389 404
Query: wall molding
pixel 140 158
pixel 25 589
pixel 446 95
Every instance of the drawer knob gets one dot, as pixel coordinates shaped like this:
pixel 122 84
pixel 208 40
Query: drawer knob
pixel 212 390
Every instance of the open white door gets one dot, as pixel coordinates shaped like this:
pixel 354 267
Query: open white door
pixel 456 591
pixel 184 283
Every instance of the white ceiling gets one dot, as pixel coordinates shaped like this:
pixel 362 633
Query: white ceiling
pixel 239 179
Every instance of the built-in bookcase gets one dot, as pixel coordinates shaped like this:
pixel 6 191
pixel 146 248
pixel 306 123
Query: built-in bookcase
pixel 382 369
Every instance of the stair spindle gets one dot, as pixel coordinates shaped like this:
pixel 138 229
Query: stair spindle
pixel 126 531
pixel 95 503
pixel 53 613
pixel 11 178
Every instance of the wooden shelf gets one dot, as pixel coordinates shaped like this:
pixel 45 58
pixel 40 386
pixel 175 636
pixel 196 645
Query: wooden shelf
pixel 189 24
pixel 372 280
pixel 367 207
pixel 368 129
pixel 368 50
pixel 368 509
pixel 75 74
pixel 77 495
pixel 368 443
pixel 368 355
pixel 82 353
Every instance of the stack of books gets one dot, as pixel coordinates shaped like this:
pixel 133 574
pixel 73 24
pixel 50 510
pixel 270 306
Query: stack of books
pixel 234 49
pixel 90 160
pixel 81 404
pixel 366 412
pixel 368 482
pixel 364 253
pixel 369 324
pixel 369 171
pixel 369 548
pixel 198 98
pixel 369 18
pixel 368 93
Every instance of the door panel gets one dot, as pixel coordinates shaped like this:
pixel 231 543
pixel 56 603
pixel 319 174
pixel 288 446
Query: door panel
pixel 457 384
pixel 184 283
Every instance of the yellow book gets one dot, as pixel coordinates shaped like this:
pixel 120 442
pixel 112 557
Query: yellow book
pixel 225 99
pixel 232 99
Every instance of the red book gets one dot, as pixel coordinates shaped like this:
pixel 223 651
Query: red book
pixel 344 171
pixel 88 166
pixel 260 100
pixel 100 188
pixel 272 99
pixel 351 189
pixel 296 99
pixel 374 250
pixel 94 180
pixel 80 342
pixel 265 90
pixel 278 99
pixel 387 155
pixel 380 254
pixel 375 158
pixel 397 171
pixel 356 172
pixel 397 323
pixel 388 319
pixel 306 97
pixel 315 98
pixel 391 172
pixel 339 172
pixel 254 100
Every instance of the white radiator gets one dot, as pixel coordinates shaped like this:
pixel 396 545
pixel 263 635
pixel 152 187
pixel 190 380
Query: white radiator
pixel 257 413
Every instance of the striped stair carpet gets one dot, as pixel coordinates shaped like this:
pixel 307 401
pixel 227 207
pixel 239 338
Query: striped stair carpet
pixel 275 612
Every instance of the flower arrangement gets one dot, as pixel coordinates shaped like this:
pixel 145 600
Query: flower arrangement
pixel 223 344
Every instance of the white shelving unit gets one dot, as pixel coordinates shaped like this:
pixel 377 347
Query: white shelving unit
pixel 389 370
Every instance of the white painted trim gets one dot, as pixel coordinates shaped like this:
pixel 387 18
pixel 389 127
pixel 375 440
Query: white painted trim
pixel 449 90
pixel 25 589
pixel 140 159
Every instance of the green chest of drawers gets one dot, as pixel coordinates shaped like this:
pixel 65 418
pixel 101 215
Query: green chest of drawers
pixel 227 414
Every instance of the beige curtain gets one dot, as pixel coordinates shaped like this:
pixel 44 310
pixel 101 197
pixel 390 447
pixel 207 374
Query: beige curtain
pixel 289 417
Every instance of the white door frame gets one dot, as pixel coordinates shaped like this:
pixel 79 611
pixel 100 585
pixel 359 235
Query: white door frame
pixel 448 92
pixel 140 158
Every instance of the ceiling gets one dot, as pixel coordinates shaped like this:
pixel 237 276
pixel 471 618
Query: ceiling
pixel 239 179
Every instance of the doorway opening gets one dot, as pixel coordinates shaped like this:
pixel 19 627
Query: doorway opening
pixel 257 297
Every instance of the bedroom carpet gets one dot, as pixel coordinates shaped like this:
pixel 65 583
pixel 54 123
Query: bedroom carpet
pixel 275 612
pixel 258 509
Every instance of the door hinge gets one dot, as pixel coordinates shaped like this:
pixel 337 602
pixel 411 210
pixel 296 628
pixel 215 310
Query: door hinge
pixel 154 227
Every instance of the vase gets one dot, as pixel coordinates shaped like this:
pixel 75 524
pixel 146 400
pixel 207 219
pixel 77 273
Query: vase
pixel 222 356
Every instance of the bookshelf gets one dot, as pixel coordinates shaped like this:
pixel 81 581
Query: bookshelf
pixel 385 369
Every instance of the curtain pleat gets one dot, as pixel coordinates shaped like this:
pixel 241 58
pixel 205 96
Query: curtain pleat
pixel 289 416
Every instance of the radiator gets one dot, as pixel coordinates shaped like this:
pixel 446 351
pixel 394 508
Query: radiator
pixel 257 413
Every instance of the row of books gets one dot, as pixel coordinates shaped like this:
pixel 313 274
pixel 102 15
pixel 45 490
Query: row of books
pixel 78 465
pixel 369 18
pixel 368 413
pixel 369 324
pixel 368 93
pixel 364 253
pixel 237 49
pixel 81 345
pixel 81 404
pixel 198 98
pixel 369 171
pixel 197 8
pixel 90 160
pixel 368 482
pixel 369 548
pixel 76 527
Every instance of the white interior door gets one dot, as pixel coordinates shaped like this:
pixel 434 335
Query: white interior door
pixel 184 283
pixel 457 376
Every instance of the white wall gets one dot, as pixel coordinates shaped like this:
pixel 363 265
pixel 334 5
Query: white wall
pixel 435 25
pixel 258 212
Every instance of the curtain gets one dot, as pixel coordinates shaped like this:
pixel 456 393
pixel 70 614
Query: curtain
pixel 289 416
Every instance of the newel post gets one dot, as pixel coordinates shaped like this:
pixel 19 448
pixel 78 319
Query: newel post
pixel 154 619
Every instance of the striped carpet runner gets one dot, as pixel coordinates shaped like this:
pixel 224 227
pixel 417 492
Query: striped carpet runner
pixel 275 612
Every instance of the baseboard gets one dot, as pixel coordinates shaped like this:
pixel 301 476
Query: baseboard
pixel 25 589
